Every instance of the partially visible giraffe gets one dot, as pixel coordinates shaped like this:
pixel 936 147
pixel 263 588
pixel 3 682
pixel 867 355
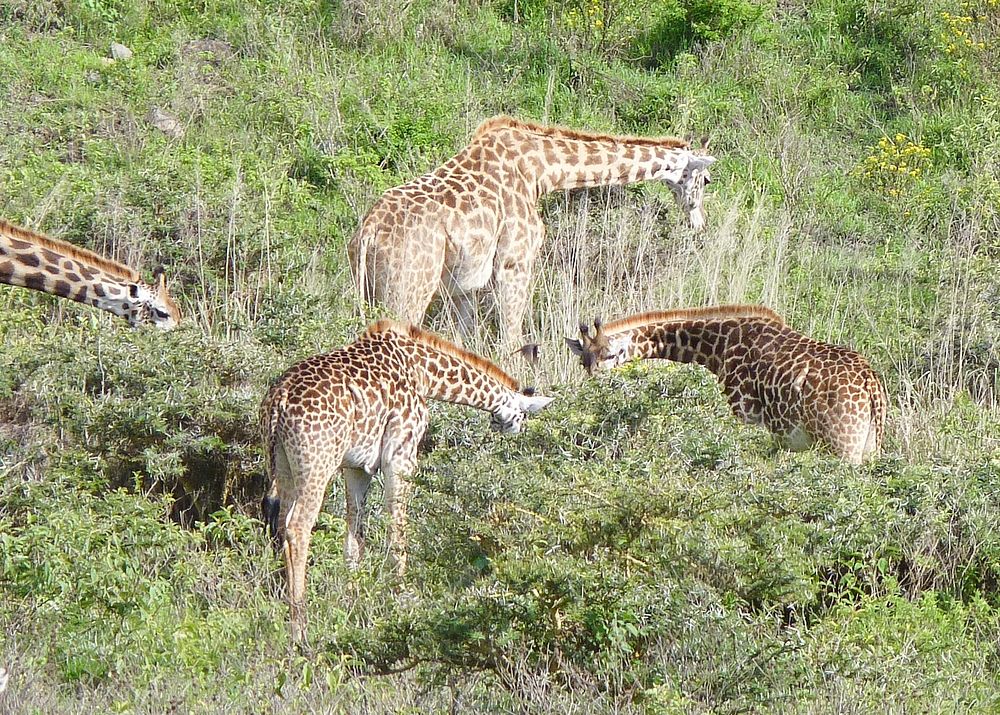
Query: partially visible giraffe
pixel 475 218
pixel 801 389
pixel 359 410
pixel 31 260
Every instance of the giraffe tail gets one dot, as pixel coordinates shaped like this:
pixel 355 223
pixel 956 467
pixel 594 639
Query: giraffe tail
pixel 270 504
pixel 358 251
pixel 270 507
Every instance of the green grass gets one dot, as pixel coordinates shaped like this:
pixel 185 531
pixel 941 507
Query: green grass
pixel 636 550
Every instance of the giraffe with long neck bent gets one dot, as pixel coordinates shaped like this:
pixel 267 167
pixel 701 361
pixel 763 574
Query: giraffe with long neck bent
pixel 359 410
pixel 475 218
pixel 31 260
pixel 801 389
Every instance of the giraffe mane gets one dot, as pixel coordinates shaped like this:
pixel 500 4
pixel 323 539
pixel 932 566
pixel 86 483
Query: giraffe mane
pixel 419 335
pixel 712 312
pixel 505 122
pixel 69 250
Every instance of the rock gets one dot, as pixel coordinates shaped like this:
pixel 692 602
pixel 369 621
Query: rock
pixel 120 51
pixel 166 123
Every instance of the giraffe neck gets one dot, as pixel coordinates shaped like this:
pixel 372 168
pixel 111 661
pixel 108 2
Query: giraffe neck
pixel 452 374
pixel 33 261
pixel 705 336
pixel 449 378
pixel 703 342
pixel 554 158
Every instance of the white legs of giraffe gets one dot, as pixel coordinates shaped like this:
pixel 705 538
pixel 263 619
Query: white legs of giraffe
pixel 397 493
pixel 464 305
pixel 513 271
pixel 356 484
pixel 399 460
pixel 296 515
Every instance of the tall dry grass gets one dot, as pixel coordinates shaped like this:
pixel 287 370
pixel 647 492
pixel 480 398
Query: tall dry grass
pixel 611 252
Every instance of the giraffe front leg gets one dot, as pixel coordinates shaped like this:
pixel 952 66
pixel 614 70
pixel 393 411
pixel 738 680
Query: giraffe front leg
pixel 512 283
pixel 356 484
pixel 397 499
pixel 513 269
pixel 465 313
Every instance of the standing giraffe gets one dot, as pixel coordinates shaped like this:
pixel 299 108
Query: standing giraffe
pixel 361 409
pixel 801 389
pixel 31 260
pixel 475 217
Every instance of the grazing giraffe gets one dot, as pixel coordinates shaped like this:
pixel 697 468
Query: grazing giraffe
pixel 31 260
pixel 361 409
pixel 801 389
pixel 475 218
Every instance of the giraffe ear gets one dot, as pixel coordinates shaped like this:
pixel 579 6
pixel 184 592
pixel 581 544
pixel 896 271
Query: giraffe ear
pixel 575 346
pixel 535 403
pixel 701 162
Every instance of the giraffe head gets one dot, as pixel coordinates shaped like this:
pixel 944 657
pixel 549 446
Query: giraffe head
pixel 509 417
pixel 151 304
pixel 600 351
pixel 687 180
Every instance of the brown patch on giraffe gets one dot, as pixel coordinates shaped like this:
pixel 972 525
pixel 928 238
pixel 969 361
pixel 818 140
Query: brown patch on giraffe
pixel 35 281
pixel 23 239
pixel 418 335
pixel 719 312
pixel 504 122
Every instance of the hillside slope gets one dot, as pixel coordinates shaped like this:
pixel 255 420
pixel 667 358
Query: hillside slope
pixel 637 550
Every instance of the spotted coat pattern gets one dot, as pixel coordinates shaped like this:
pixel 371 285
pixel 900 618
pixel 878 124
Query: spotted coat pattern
pixel 31 260
pixel 359 410
pixel 801 389
pixel 474 220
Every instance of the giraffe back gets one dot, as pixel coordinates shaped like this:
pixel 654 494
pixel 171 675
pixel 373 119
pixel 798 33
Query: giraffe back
pixel 340 398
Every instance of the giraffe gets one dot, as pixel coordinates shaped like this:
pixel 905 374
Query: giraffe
pixel 475 218
pixel 31 260
pixel 803 390
pixel 361 409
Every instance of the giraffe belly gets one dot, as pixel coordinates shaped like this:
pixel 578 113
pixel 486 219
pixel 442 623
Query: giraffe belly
pixel 797 439
pixel 363 456
pixel 468 275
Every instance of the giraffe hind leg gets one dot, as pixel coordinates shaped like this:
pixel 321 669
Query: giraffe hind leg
pixel 271 505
